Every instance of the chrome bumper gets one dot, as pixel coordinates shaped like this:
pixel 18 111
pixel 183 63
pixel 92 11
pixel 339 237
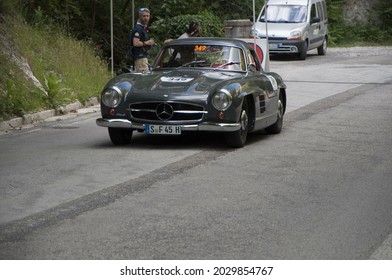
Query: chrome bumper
pixel 205 126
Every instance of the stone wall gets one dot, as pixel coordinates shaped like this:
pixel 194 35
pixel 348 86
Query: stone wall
pixel 361 11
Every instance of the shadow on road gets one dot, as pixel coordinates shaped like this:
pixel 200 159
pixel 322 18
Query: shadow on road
pixel 189 140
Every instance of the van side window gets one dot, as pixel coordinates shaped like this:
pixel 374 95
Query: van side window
pixel 325 10
pixel 320 11
pixel 313 12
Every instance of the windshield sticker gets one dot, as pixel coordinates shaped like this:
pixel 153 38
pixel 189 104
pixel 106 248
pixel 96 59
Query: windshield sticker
pixel 176 79
pixel 200 48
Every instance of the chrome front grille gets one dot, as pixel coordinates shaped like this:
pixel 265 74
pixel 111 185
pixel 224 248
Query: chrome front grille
pixel 166 111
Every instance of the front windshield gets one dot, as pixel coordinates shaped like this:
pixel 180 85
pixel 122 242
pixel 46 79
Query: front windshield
pixel 285 13
pixel 201 56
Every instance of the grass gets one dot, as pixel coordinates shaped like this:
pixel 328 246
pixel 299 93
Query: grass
pixel 349 35
pixel 67 69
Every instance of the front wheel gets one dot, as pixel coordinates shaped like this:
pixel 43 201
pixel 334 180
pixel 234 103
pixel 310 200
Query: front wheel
pixel 120 136
pixel 302 55
pixel 237 139
pixel 322 50
pixel 277 126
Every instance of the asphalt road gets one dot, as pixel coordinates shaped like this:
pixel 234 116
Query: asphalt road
pixel 322 189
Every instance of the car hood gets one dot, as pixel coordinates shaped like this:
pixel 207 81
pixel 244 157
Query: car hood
pixel 279 30
pixel 179 81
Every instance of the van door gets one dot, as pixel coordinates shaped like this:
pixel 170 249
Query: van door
pixel 316 32
pixel 322 7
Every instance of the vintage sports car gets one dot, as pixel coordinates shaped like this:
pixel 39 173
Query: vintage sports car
pixel 196 84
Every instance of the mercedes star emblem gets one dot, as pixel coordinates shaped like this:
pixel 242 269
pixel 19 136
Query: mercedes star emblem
pixel 164 111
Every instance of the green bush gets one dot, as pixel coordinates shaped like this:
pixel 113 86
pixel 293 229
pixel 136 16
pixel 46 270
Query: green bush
pixel 173 27
pixel 8 6
pixel 16 99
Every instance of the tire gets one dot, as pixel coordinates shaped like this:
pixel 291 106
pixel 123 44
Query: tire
pixel 302 55
pixel 237 139
pixel 322 50
pixel 119 136
pixel 276 128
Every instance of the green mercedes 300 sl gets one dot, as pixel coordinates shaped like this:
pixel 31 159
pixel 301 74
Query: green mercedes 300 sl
pixel 197 84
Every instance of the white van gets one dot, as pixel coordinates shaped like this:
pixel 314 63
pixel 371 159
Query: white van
pixel 293 26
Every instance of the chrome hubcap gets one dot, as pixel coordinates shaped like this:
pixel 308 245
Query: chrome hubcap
pixel 280 108
pixel 244 120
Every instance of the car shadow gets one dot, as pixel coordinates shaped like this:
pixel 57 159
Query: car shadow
pixel 188 140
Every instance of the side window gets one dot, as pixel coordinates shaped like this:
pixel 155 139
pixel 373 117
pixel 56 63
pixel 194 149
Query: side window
pixel 325 10
pixel 253 59
pixel 235 55
pixel 313 12
pixel 249 58
pixel 242 57
pixel 320 11
pixel 162 59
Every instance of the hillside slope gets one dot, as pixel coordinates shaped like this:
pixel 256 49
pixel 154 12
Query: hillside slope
pixel 44 69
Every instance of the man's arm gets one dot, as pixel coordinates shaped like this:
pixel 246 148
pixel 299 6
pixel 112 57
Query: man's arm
pixel 139 43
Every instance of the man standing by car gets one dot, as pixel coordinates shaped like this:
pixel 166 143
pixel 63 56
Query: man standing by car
pixel 193 30
pixel 141 42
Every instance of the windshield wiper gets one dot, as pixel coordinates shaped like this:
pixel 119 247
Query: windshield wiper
pixel 195 62
pixel 227 64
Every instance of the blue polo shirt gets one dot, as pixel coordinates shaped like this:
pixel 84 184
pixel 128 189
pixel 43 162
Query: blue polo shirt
pixel 141 32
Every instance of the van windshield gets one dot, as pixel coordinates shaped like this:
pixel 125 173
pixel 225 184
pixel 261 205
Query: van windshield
pixel 285 13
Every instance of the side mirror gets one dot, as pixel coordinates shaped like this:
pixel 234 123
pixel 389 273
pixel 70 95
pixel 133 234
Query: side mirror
pixel 315 20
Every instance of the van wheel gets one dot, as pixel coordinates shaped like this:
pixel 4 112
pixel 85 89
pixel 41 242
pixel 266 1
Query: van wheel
pixel 322 50
pixel 303 53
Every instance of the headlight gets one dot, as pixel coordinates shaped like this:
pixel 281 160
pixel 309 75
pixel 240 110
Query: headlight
pixel 295 35
pixel 254 33
pixel 221 100
pixel 111 97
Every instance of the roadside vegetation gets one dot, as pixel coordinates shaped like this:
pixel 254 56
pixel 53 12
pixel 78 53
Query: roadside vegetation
pixel 54 52
pixel 43 68
pixel 375 30
pixel 47 70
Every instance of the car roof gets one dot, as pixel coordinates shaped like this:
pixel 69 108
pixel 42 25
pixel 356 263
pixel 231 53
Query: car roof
pixel 210 41
pixel 288 2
